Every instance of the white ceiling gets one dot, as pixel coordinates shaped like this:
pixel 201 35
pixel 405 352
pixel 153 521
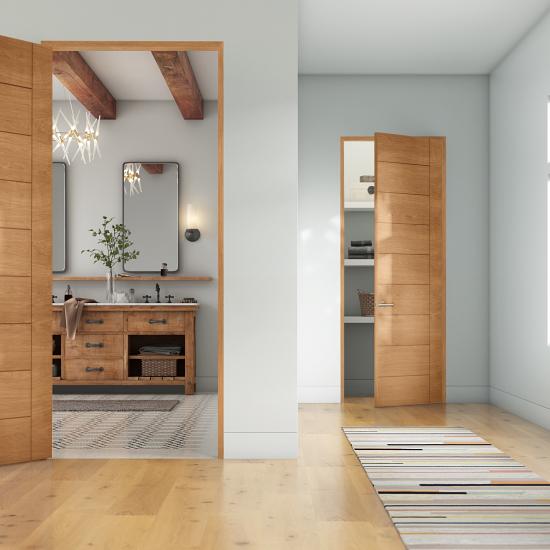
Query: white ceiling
pixel 411 36
pixel 136 76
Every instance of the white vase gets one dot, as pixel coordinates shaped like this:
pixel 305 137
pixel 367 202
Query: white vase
pixel 110 295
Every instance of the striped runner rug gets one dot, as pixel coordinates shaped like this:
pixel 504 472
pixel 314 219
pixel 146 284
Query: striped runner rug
pixel 448 488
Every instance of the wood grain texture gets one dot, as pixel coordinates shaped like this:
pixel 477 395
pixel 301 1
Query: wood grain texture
pixel 15 62
pixel 437 270
pixel 412 179
pixel 15 152
pixel 15 204
pixel 402 149
pixel 402 390
pixel 88 346
pixel 41 425
pixel 156 321
pixel 180 79
pixel 15 299
pixel 15 252
pixel 402 330
pixel 100 321
pixel 93 369
pixel 15 440
pixel 15 109
pixel 402 360
pixel 189 354
pixel 15 394
pixel 406 299
pixel 15 347
pixel 400 238
pixel 402 269
pixel 80 80
pixel 403 208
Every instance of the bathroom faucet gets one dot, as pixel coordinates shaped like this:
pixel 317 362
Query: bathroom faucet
pixel 157 289
pixel 170 296
pixel 147 296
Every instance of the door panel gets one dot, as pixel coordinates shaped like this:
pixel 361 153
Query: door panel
pixel 402 360
pixel 402 330
pixel 412 179
pixel 25 251
pixel 403 269
pixel 406 299
pixel 403 208
pixel 401 238
pixel 402 149
pixel 402 390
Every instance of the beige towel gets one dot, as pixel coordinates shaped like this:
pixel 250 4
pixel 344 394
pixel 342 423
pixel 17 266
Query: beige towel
pixel 73 311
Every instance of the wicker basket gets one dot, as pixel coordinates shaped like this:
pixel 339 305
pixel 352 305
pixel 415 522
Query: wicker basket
pixel 159 367
pixel 366 303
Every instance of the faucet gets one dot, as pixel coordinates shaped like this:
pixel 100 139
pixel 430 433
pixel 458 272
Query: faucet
pixel 157 289
pixel 147 296
pixel 170 296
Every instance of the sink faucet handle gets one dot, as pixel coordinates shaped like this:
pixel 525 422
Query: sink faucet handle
pixel 147 296
pixel 170 296
pixel 53 298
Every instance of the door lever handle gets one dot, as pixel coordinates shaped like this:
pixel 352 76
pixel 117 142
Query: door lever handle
pixel 384 304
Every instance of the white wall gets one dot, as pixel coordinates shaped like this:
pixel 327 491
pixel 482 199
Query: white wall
pixel 152 130
pixel 520 356
pixel 456 107
pixel 261 67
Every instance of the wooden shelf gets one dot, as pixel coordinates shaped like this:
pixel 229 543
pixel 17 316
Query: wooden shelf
pixel 132 278
pixel 152 356
pixel 359 206
pixel 358 319
pixel 141 382
pixel 358 263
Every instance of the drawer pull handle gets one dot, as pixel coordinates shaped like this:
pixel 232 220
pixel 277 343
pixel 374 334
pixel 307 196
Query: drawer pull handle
pixel 383 304
pixel 157 321
pixel 95 344
pixel 94 321
pixel 94 369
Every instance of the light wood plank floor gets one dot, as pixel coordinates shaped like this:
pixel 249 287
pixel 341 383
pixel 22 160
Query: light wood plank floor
pixel 322 501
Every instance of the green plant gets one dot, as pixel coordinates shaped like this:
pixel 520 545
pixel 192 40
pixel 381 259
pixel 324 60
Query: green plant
pixel 114 244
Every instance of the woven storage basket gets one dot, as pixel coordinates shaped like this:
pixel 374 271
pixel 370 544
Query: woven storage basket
pixel 158 367
pixel 366 303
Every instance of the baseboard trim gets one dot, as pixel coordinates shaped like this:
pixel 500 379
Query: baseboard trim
pixel 318 394
pixel 467 394
pixel 529 410
pixel 260 445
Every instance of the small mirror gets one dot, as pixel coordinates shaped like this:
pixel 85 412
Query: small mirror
pixel 151 213
pixel 59 199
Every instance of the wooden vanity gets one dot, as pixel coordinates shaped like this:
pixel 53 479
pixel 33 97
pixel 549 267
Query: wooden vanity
pixel 106 348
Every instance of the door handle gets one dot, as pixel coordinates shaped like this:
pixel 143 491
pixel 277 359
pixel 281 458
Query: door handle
pixel 157 321
pixel 384 304
pixel 94 344
pixel 94 369
pixel 94 321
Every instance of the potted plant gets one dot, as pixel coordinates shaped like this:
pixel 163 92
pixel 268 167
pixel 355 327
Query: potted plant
pixel 114 244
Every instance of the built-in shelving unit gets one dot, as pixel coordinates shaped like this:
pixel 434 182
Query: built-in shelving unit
pixel 131 278
pixel 358 263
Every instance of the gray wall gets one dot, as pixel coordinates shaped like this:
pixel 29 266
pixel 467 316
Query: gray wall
pixel 260 183
pixel 452 106
pixel 152 130
pixel 520 355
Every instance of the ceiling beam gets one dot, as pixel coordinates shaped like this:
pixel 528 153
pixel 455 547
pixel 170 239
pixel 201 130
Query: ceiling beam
pixel 180 78
pixel 153 168
pixel 79 79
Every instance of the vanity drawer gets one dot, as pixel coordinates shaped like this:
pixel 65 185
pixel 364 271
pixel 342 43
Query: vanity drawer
pixel 56 322
pixel 156 321
pixel 93 369
pixel 95 345
pixel 98 321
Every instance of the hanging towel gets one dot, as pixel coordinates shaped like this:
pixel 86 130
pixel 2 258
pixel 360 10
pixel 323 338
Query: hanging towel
pixel 73 312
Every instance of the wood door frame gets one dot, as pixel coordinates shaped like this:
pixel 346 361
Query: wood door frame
pixel 159 45
pixel 343 140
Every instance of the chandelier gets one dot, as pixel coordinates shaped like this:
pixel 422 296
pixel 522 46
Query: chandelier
pixel 73 140
pixel 132 177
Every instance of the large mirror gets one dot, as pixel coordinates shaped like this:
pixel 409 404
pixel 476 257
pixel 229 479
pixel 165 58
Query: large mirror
pixel 151 213
pixel 59 201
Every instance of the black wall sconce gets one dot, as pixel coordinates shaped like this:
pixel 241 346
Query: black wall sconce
pixel 192 234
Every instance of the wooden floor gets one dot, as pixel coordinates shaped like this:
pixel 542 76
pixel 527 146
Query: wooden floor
pixel 321 501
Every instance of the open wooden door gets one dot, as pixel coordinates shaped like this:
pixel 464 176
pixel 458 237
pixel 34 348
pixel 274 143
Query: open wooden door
pixel 409 270
pixel 25 251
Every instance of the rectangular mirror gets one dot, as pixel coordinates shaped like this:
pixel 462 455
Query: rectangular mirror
pixel 59 222
pixel 151 212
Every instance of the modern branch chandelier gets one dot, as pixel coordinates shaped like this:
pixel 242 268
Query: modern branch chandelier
pixel 72 139
pixel 132 177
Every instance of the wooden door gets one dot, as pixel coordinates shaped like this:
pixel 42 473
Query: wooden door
pixel 409 270
pixel 25 251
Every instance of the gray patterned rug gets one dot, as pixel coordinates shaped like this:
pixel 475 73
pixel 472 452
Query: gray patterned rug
pixel 114 405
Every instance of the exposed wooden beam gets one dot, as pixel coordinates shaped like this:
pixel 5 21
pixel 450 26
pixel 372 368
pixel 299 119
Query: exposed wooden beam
pixel 77 76
pixel 156 168
pixel 180 78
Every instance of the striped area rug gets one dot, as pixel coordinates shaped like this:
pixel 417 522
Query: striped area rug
pixel 448 488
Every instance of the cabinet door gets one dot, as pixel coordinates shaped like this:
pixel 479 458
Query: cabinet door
pixel 25 251
pixel 409 270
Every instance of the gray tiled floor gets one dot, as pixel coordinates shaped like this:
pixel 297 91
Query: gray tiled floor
pixel 187 431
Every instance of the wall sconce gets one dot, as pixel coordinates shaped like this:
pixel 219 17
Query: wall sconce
pixel 192 234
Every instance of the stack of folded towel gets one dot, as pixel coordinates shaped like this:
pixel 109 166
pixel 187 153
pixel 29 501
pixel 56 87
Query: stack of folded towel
pixel 361 250
pixel 160 350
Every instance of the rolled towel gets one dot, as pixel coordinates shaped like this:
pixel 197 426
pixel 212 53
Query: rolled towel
pixel 160 350
pixel 360 243
pixel 360 250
